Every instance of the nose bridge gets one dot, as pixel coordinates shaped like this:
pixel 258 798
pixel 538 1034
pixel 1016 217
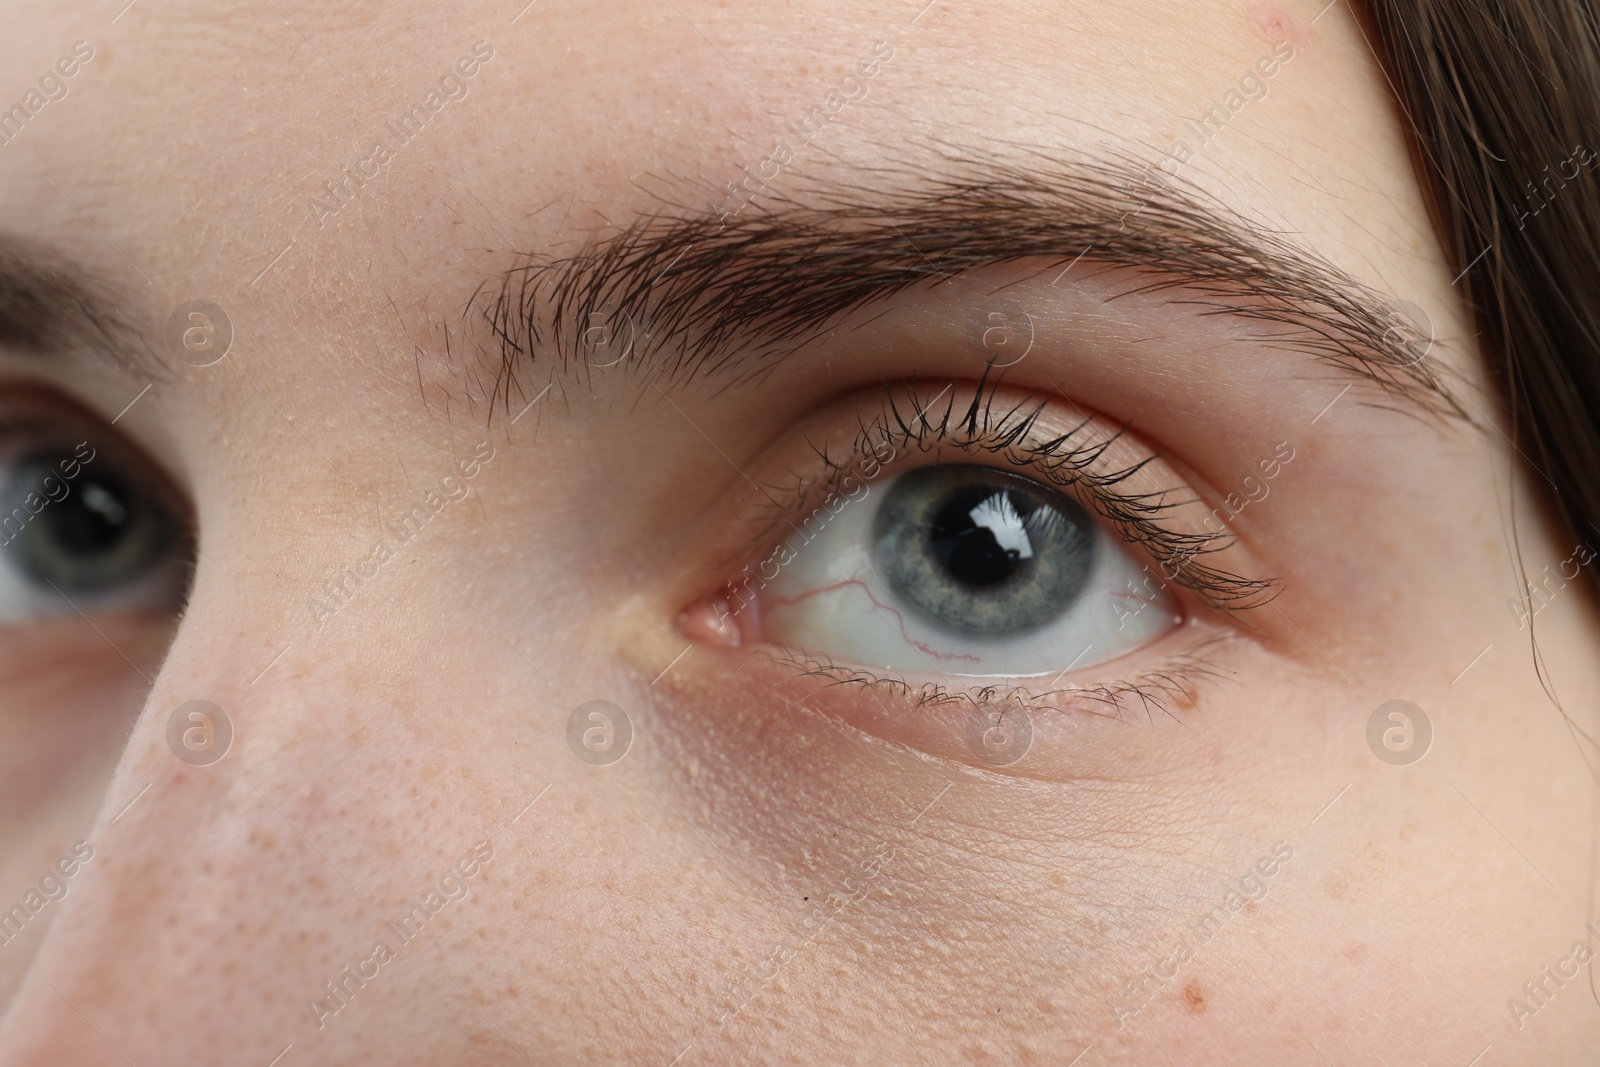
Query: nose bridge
pixel 231 847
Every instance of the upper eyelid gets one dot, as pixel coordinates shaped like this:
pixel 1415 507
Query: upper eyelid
pixel 47 412
pixel 978 428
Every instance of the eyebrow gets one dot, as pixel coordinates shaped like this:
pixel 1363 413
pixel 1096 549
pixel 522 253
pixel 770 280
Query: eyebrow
pixel 50 304
pixel 726 293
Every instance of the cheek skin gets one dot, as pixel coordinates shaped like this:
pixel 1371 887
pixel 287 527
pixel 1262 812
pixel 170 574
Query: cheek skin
pixel 1012 869
pixel 64 712
pixel 88 693
pixel 218 874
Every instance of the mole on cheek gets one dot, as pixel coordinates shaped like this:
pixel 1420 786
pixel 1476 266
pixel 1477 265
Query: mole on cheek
pixel 1279 26
pixel 1193 998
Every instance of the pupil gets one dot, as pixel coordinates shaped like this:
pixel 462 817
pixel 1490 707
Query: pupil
pixel 90 521
pixel 981 541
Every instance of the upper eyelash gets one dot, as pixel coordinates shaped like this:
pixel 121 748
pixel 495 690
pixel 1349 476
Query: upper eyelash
pixel 981 428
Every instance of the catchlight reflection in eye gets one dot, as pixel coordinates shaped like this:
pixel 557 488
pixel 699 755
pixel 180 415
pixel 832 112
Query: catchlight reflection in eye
pixel 962 570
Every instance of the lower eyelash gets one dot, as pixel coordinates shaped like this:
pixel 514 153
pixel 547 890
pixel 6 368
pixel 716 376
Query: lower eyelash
pixel 981 429
pixel 1173 685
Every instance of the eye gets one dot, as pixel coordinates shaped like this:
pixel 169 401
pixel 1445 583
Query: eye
pixel 958 569
pixel 85 527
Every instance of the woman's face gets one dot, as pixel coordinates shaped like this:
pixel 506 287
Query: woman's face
pixel 809 533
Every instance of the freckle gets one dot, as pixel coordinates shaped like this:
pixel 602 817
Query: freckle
pixel 1193 998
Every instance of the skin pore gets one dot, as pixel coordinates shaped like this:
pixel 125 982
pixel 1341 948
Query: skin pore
pixel 556 315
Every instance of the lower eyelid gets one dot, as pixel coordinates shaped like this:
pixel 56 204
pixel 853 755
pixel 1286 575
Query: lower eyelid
pixel 975 727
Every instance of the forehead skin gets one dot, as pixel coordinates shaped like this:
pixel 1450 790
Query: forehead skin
pixel 430 712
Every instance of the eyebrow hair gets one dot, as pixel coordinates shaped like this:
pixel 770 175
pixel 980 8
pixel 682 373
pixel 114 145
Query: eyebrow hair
pixel 721 293
pixel 51 304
